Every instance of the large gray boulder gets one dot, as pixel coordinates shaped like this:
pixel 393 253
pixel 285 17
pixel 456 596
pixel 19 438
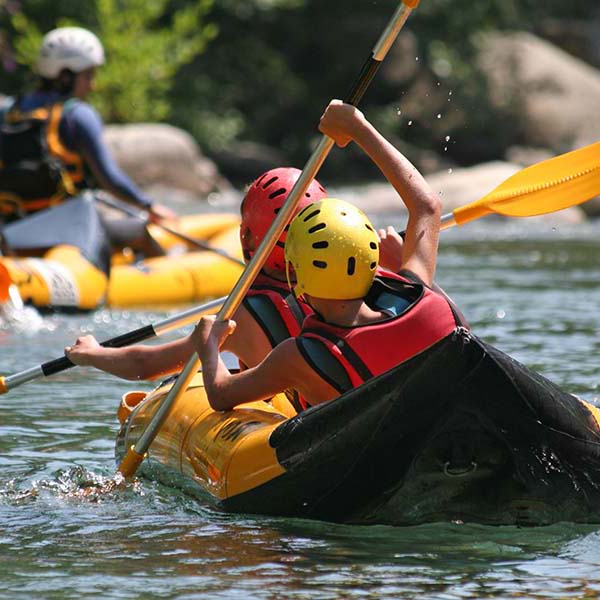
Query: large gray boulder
pixel 552 96
pixel 159 155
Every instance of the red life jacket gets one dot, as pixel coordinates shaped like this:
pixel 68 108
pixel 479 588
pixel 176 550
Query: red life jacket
pixel 345 357
pixel 275 308
pixel 280 316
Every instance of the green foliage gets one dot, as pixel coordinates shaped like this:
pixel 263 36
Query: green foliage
pixel 145 46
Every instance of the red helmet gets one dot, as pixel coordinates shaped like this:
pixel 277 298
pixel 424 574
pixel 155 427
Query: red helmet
pixel 261 204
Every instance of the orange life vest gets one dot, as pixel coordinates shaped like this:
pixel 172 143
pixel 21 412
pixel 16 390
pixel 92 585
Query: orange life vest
pixel 345 357
pixel 36 169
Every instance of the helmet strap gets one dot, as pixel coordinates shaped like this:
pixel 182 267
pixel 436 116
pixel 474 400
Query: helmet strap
pixel 294 288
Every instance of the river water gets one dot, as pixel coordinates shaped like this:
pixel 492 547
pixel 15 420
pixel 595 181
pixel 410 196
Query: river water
pixel 533 291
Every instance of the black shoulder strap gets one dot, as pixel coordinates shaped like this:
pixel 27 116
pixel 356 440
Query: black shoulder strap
pixel 316 354
pixel 268 318
pixel 295 308
pixel 356 361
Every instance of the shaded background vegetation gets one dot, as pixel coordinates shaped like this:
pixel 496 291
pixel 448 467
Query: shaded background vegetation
pixel 251 78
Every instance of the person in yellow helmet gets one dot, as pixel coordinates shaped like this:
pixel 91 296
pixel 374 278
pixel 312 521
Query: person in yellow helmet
pixel 365 320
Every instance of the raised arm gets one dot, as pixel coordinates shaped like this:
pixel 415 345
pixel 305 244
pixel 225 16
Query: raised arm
pixel 345 123
pixel 283 368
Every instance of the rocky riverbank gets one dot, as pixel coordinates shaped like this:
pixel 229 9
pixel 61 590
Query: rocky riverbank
pixel 551 97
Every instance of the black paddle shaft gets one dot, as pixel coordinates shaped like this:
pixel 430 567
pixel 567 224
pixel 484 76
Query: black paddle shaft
pixel 133 337
pixel 359 87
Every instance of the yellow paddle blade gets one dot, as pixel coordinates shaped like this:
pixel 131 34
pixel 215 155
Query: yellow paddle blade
pixel 551 185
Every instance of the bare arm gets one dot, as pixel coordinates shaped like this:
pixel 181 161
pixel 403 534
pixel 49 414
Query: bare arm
pixel 132 362
pixel 345 123
pixel 283 368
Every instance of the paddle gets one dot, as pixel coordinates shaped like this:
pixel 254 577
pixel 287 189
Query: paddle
pixel 121 206
pixel 135 454
pixel 138 335
pixel 550 185
pixel 554 184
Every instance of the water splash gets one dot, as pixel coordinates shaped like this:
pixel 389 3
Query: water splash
pixel 15 316
pixel 76 483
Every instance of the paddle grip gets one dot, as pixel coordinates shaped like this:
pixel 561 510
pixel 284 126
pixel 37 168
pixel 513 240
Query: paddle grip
pixel 132 337
pixel 359 87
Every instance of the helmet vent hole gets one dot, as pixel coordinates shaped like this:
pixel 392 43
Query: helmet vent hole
pixel 261 179
pixel 320 264
pixel 368 227
pixel 316 228
pixel 373 246
pixel 287 227
pixel 351 265
pixel 269 182
pixel 318 245
pixel 276 193
pixel 313 214
pixel 276 210
pixel 344 214
pixel 373 266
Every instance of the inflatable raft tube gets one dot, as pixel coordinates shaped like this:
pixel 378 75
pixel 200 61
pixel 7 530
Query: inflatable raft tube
pixel 459 432
pixel 64 279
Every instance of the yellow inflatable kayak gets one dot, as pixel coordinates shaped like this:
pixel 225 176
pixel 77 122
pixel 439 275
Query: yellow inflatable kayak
pixel 63 279
pixel 485 440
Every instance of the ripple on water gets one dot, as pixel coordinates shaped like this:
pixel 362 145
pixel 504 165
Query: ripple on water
pixel 536 299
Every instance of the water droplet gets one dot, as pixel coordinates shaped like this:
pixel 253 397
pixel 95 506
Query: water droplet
pixel 500 314
pixel 450 93
pixel 417 58
pixel 398 112
pixel 447 138
pixel 410 123
pixel 450 171
pixel 439 115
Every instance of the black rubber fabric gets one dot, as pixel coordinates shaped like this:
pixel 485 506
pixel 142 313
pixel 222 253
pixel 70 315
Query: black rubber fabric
pixel 461 431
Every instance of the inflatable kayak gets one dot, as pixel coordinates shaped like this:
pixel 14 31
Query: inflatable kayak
pixel 65 277
pixel 483 440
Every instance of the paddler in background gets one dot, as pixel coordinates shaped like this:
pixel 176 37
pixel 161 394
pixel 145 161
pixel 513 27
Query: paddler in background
pixel 365 321
pixel 51 144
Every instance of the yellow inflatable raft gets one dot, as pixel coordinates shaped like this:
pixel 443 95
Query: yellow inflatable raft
pixel 485 440
pixel 63 279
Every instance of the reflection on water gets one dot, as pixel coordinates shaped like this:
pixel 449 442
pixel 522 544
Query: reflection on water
pixel 536 299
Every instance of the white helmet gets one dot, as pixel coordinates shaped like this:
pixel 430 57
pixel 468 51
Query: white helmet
pixel 70 48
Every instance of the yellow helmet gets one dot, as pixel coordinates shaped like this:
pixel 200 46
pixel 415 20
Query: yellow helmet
pixel 333 250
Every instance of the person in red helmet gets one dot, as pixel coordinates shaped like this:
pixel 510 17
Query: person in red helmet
pixel 268 315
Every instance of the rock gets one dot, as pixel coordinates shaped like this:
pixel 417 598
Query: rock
pixel 525 157
pixel 247 160
pixel 552 96
pixel 162 155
